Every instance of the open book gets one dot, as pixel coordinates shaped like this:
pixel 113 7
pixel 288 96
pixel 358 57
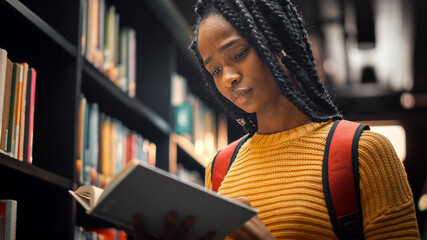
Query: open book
pixel 152 193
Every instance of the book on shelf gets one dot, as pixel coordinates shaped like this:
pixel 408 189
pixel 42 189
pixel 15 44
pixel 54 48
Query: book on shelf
pixel 152 193
pixel 8 214
pixel 193 119
pixel 12 109
pixel 105 145
pixel 90 159
pixel 17 101
pixel 3 67
pixel 99 233
pixel 80 138
pixel 6 105
pixel 29 120
pixel 23 71
pixel 20 123
pixel 109 48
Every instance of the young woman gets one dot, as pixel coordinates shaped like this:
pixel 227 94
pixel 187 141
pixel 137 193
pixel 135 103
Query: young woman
pixel 258 61
pixel 257 58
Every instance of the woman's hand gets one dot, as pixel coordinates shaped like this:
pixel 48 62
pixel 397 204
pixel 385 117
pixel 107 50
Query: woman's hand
pixel 167 231
pixel 254 228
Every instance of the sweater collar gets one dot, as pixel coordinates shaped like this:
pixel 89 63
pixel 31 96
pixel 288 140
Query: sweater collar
pixel 288 135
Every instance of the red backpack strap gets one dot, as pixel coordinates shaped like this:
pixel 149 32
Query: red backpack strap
pixel 341 179
pixel 223 160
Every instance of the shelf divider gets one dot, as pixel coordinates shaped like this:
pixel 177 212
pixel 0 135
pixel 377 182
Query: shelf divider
pixel 31 170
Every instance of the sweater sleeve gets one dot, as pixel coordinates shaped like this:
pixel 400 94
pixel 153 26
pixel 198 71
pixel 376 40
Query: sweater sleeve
pixel 387 201
pixel 208 178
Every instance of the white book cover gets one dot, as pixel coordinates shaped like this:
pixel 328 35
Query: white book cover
pixel 152 193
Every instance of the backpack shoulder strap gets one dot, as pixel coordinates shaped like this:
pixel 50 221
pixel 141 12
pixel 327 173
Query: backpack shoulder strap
pixel 341 179
pixel 223 160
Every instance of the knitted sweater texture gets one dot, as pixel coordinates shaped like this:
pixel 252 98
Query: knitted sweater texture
pixel 281 175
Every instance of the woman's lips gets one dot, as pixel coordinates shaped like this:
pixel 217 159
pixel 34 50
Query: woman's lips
pixel 241 95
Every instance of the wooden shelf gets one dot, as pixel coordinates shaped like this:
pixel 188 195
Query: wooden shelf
pixel 189 148
pixel 34 171
pixel 42 25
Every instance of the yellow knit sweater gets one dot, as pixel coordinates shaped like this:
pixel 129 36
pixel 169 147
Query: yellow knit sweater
pixel 281 175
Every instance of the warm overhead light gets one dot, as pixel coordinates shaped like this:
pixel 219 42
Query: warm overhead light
pixel 407 100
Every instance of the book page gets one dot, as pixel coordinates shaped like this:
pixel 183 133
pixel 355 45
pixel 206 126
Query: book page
pixel 87 196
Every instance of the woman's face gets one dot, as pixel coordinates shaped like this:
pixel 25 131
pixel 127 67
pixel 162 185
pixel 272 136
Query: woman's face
pixel 238 72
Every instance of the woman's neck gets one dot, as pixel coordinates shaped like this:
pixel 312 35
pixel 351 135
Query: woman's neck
pixel 280 117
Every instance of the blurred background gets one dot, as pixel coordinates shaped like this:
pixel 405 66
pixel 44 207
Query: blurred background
pixel 372 55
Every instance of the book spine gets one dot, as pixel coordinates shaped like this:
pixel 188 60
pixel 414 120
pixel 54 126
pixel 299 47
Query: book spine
pixel 93 141
pixel 20 145
pixel 3 65
pixel 13 94
pixel 17 113
pixel 85 143
pixel 80 139
pixel 132 63
pixel 100 143
pixel 92 35
pixel 31 117
pixel 83 39
pixel 106 149
pixel 26 124
pixel 8 209
pixel 6 105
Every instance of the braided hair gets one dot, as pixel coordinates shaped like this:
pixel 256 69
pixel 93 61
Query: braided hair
pixel 271 27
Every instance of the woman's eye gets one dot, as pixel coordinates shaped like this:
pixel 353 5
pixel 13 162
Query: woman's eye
pixel 216 72
pixel 240 54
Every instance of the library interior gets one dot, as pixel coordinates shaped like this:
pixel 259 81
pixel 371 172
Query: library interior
pixel 89 86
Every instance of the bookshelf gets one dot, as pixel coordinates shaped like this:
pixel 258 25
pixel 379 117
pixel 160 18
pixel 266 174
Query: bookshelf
pixel 46 34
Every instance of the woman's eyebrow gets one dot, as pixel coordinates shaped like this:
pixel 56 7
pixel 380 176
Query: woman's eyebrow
pixel 222 48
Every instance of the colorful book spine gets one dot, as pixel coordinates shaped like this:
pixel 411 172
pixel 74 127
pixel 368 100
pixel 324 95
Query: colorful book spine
pixel 6 105
pixel 30 138
pixel 85 143
pixel 23 116
pixel 99 233
pixel 8 212
pixel 90 163
pixel 3 66
pixel 105 145
pixel 194 120
pixel 18 83
pixel 80 139
pixel 18 108
pixel 13 96
pixel 108 47
pixel 26 123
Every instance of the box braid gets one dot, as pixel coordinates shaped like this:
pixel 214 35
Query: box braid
pixel 286 84
pixel 271 27
pixel 301 64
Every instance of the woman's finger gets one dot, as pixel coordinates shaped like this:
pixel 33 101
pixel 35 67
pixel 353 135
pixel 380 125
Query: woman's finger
pixel 167 231
pixel 185 229
pixel 139 229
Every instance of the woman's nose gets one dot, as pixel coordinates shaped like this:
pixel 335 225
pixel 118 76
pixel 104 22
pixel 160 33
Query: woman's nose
pixel 230 77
